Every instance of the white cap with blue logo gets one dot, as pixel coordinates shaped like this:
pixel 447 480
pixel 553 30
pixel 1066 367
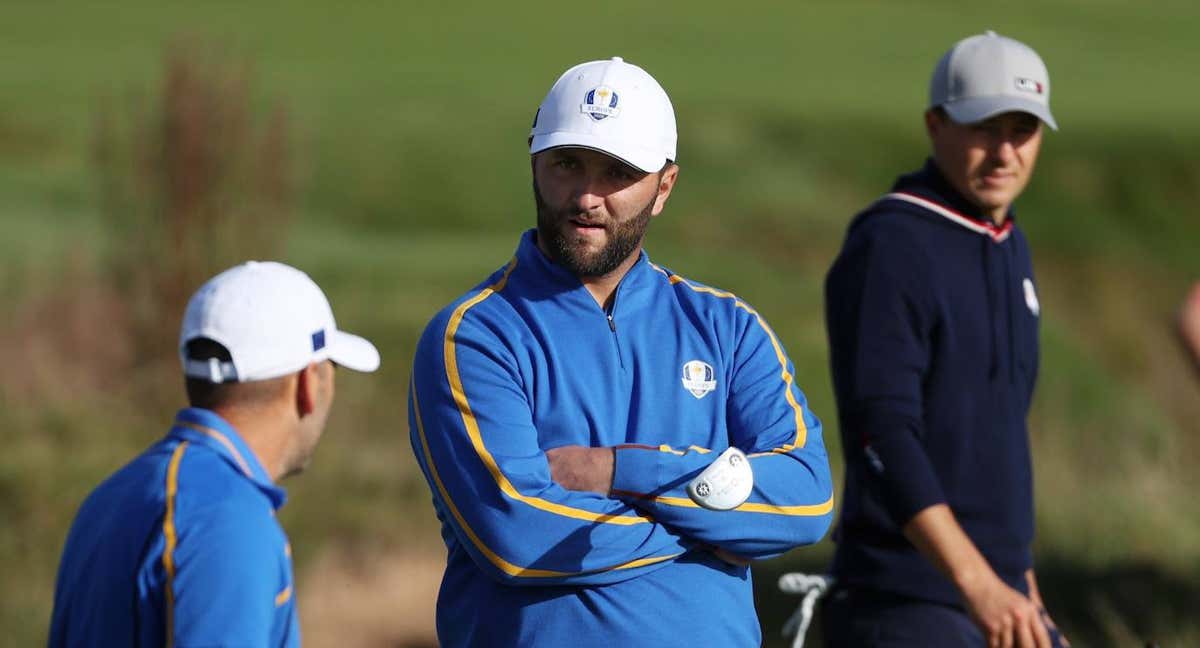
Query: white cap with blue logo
pixel 273 319
pixel 610 106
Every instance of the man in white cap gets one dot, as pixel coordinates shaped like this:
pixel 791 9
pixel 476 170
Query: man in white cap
pixel 560 409
pixel 181 546
pixel 932 317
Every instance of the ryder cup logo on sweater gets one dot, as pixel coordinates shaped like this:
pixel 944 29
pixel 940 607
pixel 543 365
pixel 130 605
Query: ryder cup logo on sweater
pixel 600 102
pixel 1031 299
pixel 698 378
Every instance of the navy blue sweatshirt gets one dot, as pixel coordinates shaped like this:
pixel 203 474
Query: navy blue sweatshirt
pixel 932 318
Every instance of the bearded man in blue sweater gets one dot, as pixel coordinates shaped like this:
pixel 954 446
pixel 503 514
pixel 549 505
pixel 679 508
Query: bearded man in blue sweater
pixel 932 314
pixel 560 408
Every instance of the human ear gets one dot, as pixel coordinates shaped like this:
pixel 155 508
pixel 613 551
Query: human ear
pixel 666 183
pixel 933 123
pixel 307 383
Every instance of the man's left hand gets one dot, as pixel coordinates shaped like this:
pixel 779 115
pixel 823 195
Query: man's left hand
pixel 580 468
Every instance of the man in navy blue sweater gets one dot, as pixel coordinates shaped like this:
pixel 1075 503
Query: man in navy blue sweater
pixel 932 315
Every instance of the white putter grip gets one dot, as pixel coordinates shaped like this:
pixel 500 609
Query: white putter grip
pixel 725 484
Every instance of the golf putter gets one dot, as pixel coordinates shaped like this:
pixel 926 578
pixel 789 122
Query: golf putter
pixel 725 483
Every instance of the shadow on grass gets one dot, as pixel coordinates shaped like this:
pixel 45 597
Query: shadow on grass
pixel 1130 604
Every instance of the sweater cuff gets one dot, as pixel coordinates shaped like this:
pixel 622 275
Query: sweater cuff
pixel 636 470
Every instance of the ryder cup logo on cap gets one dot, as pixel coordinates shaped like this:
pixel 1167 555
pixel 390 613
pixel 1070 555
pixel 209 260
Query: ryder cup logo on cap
pixel 273 319
pixel 600 103
pixel 609 106
pixel 989 74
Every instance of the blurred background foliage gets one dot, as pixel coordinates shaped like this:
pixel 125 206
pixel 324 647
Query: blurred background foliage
pixel 381 147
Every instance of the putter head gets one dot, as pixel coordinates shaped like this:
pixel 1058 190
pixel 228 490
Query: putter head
pixel 725 484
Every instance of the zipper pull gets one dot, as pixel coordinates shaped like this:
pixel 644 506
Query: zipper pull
pixel 612 324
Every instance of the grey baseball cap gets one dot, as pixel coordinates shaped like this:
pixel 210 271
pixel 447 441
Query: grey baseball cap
pixel 989 74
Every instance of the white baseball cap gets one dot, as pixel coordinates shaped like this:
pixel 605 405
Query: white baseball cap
pixel 988 74
pixel 273 319
pixel 610 106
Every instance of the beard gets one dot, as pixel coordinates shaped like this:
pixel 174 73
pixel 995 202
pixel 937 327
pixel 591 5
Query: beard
pixel 570 252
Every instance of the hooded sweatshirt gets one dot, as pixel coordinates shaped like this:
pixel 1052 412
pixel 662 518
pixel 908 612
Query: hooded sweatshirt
pixel 932 317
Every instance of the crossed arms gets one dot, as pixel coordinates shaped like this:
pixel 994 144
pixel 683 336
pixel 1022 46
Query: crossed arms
pixel 475 439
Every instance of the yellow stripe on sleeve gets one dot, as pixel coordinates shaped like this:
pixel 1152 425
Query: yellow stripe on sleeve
pixel 788 379
pixel 804 510
pixel 450 357
pixel 502 564
pixel 168 558
pixel 692 448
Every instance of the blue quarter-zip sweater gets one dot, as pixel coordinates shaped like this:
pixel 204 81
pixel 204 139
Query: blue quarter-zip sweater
pixel 675 373
pixel 933 333
pixel 179 548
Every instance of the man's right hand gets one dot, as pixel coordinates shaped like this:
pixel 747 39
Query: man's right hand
pixel 1007 617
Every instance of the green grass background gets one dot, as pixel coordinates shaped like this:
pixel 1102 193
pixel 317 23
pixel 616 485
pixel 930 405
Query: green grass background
pixel 409 122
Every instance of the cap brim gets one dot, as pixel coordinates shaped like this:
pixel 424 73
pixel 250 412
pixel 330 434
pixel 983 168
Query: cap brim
pixel 353 352
pixel 635 156
pixel 977 109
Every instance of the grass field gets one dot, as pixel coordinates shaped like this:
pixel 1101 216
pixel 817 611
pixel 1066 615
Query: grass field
pixel 408 124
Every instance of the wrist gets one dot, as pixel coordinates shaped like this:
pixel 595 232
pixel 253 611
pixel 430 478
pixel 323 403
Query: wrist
pixel 609 469
pixel 973 577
